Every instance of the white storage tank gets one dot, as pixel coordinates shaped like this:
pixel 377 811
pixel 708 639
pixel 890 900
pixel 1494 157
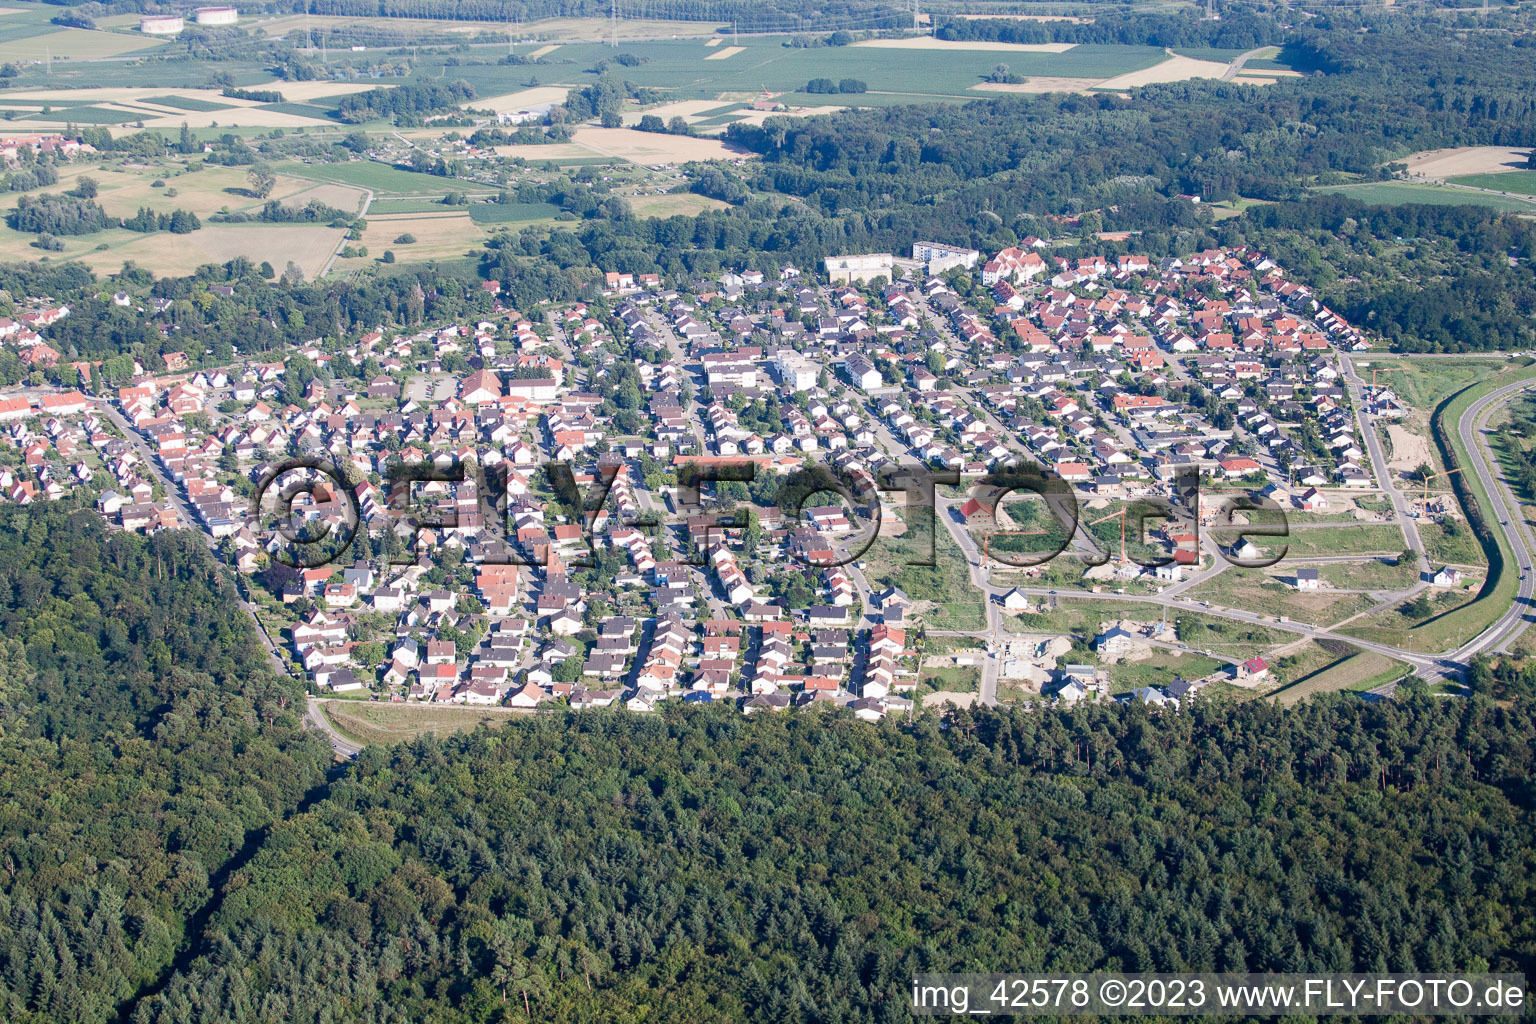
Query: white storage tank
pixel 161 24
pixel 217 15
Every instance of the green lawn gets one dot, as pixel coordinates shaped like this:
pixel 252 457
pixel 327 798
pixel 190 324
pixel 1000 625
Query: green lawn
pixel 1523 182
pixel 1159 670
pixel 954 678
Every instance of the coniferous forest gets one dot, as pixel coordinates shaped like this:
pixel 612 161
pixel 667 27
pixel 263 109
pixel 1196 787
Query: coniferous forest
pixel 174 852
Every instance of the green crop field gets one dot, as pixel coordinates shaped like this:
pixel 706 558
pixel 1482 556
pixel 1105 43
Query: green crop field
pixel 1523 182
pixel 510 213
pixel 85 114
pixel 381 178
pixel 187 103
pixel 1395 193
pixel 681 67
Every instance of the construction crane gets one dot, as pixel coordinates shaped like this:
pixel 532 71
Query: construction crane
pixel 1435 476
pixel 1384 369
pixel 1121 515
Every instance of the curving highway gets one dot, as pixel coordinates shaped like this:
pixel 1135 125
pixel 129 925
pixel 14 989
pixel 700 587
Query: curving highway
pixel 1503 515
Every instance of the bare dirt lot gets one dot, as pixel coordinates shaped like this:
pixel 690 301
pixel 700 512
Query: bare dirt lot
pixel 722 54
pixel 1452 163
pixel 1409 450
pixel 930 43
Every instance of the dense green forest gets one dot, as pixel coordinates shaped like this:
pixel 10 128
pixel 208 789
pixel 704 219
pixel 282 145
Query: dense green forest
pixel 706 867
pixel 143 748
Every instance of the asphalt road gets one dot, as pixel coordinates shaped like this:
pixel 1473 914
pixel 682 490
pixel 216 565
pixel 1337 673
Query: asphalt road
pixel 1504 515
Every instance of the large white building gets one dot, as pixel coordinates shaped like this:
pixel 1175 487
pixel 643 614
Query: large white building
pixel 940 257
pixel 796 371
pixel 849 269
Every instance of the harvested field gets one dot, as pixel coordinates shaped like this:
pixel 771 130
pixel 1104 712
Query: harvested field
pixel 1449 163
pixel 438 236
pixel 726 52
pixel 522 99
pixel 342 197
pixel 1036 85
pixel 649 148
pixel 930 43
pixel 307 245
pixel 1174 69
pixel 545 51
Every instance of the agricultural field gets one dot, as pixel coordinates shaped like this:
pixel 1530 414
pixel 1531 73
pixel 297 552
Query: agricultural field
pixel 1523 182
pixel 919 69
pixel 382 179
pixel 1391 193
pixel 438 236
pixel 61 44
pixel 124 188
pixel 153 106
pixel 1464 160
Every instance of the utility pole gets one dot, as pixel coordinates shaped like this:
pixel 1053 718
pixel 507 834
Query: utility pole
pixel 615 9
pixel 914 13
